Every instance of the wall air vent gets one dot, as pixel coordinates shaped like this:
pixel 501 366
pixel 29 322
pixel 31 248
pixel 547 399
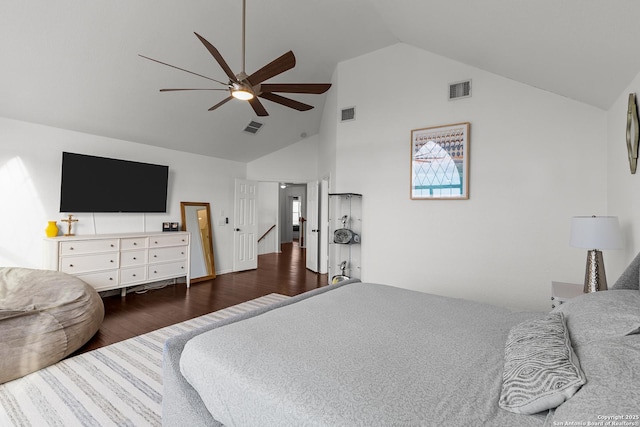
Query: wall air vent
pixel 348 114
pixel 460 90
pixel 253 127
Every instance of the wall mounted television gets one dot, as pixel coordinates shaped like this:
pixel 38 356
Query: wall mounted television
pixel 100 184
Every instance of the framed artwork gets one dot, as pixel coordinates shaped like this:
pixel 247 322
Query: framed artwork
pixel 440 162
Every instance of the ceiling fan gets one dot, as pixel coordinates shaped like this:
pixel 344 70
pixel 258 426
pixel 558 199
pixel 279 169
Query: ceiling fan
pixel 251 87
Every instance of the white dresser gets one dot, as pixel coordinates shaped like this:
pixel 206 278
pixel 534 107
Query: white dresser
pixel 116 261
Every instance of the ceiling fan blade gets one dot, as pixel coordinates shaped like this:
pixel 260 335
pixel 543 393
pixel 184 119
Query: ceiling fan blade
pixel 287 102
pixel 314 88
pixel 181 69
pixel 258 107
pixel 273 68
pixel 218 57
pixel 174 90
pixel 224 101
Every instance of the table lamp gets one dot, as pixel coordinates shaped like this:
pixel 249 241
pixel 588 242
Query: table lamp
pixel 595 233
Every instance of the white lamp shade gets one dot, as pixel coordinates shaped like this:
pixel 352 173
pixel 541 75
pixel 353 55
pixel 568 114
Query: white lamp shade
pixel 595 232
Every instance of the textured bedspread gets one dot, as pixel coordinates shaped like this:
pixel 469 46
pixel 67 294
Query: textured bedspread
pixel 361 354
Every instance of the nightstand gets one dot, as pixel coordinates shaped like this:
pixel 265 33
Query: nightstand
pixel 561 292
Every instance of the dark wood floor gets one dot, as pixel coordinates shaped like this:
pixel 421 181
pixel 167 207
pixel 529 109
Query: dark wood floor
pixel 136 314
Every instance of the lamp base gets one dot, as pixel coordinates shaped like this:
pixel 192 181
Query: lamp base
pixel 595 278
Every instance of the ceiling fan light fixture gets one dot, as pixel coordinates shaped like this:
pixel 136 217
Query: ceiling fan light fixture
pixel 242 94
pixel 241 91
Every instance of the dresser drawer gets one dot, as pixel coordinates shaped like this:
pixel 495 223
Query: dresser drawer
pixel 170 269
pixel 132 258
pixel 85 263
pixel 133 275
pixel 88 246
pixel 167 254
pixel 101 281
pixel 168 240
pixel 133 243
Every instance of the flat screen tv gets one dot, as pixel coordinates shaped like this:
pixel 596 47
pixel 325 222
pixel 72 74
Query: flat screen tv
pixel 100 184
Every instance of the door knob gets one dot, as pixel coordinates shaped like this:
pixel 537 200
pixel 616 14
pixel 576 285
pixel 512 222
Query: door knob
pixel 236 229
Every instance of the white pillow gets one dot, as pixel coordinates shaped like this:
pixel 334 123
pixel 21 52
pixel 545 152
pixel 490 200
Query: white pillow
pixel 541 370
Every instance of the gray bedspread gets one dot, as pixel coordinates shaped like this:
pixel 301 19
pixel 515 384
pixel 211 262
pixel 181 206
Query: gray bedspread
pixel 358 355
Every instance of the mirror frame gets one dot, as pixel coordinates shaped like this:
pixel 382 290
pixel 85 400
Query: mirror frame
pixel 205 205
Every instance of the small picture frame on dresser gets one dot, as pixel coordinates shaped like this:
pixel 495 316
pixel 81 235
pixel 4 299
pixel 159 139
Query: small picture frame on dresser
pixel 175 226
pixel 166 226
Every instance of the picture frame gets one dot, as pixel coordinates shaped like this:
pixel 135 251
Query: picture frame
pixel 440 162
pixel 170 226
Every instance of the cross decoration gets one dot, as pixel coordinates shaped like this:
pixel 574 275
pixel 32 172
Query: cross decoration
pixel 69 221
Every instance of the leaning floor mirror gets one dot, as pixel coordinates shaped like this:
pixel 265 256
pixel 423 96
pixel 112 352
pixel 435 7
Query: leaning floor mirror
pixel 196 218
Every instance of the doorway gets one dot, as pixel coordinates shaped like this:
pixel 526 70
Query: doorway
pixel 293 209
pixel 280 205
pixel 297 220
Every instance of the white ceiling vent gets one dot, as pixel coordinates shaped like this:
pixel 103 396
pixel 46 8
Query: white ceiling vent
pixel 348 114
pixel 460 90
pixel 253 127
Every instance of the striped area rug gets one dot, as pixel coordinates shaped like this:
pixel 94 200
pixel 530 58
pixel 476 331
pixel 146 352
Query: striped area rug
pixel 116 385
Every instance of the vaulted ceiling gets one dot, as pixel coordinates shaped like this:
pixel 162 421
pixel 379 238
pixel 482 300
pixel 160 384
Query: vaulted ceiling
pixel 74 64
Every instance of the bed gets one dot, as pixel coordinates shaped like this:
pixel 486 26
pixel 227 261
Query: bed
pixel 364 354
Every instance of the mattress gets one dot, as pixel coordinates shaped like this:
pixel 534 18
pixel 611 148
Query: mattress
pixel 359 354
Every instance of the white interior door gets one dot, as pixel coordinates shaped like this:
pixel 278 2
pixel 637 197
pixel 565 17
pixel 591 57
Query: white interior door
pixel 312 230
pixel 245 239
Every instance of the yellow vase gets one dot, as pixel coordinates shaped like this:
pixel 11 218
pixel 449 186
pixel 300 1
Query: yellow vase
pixel 52 229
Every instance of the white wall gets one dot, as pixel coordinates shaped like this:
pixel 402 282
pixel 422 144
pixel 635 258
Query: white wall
pixel 536 160
pixel 268 216
pixel 297 163
pixel 327 137
pixel 30 166
pixel 623 187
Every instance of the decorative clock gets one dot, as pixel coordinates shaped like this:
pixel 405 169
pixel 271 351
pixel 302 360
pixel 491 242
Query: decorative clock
pixel 345 236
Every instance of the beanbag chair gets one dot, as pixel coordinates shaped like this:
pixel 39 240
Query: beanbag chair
pixel 44 317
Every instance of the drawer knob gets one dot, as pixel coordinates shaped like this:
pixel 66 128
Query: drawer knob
pixel 135 244
pixel 134 275
pixel 181 253
pixel 110 278
pixel 155 272
pixel 70 265
pixel 155 256
pixel 156 242
pixel 111 260
pixel 71 248
pixel 135 258
pixel 111 245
